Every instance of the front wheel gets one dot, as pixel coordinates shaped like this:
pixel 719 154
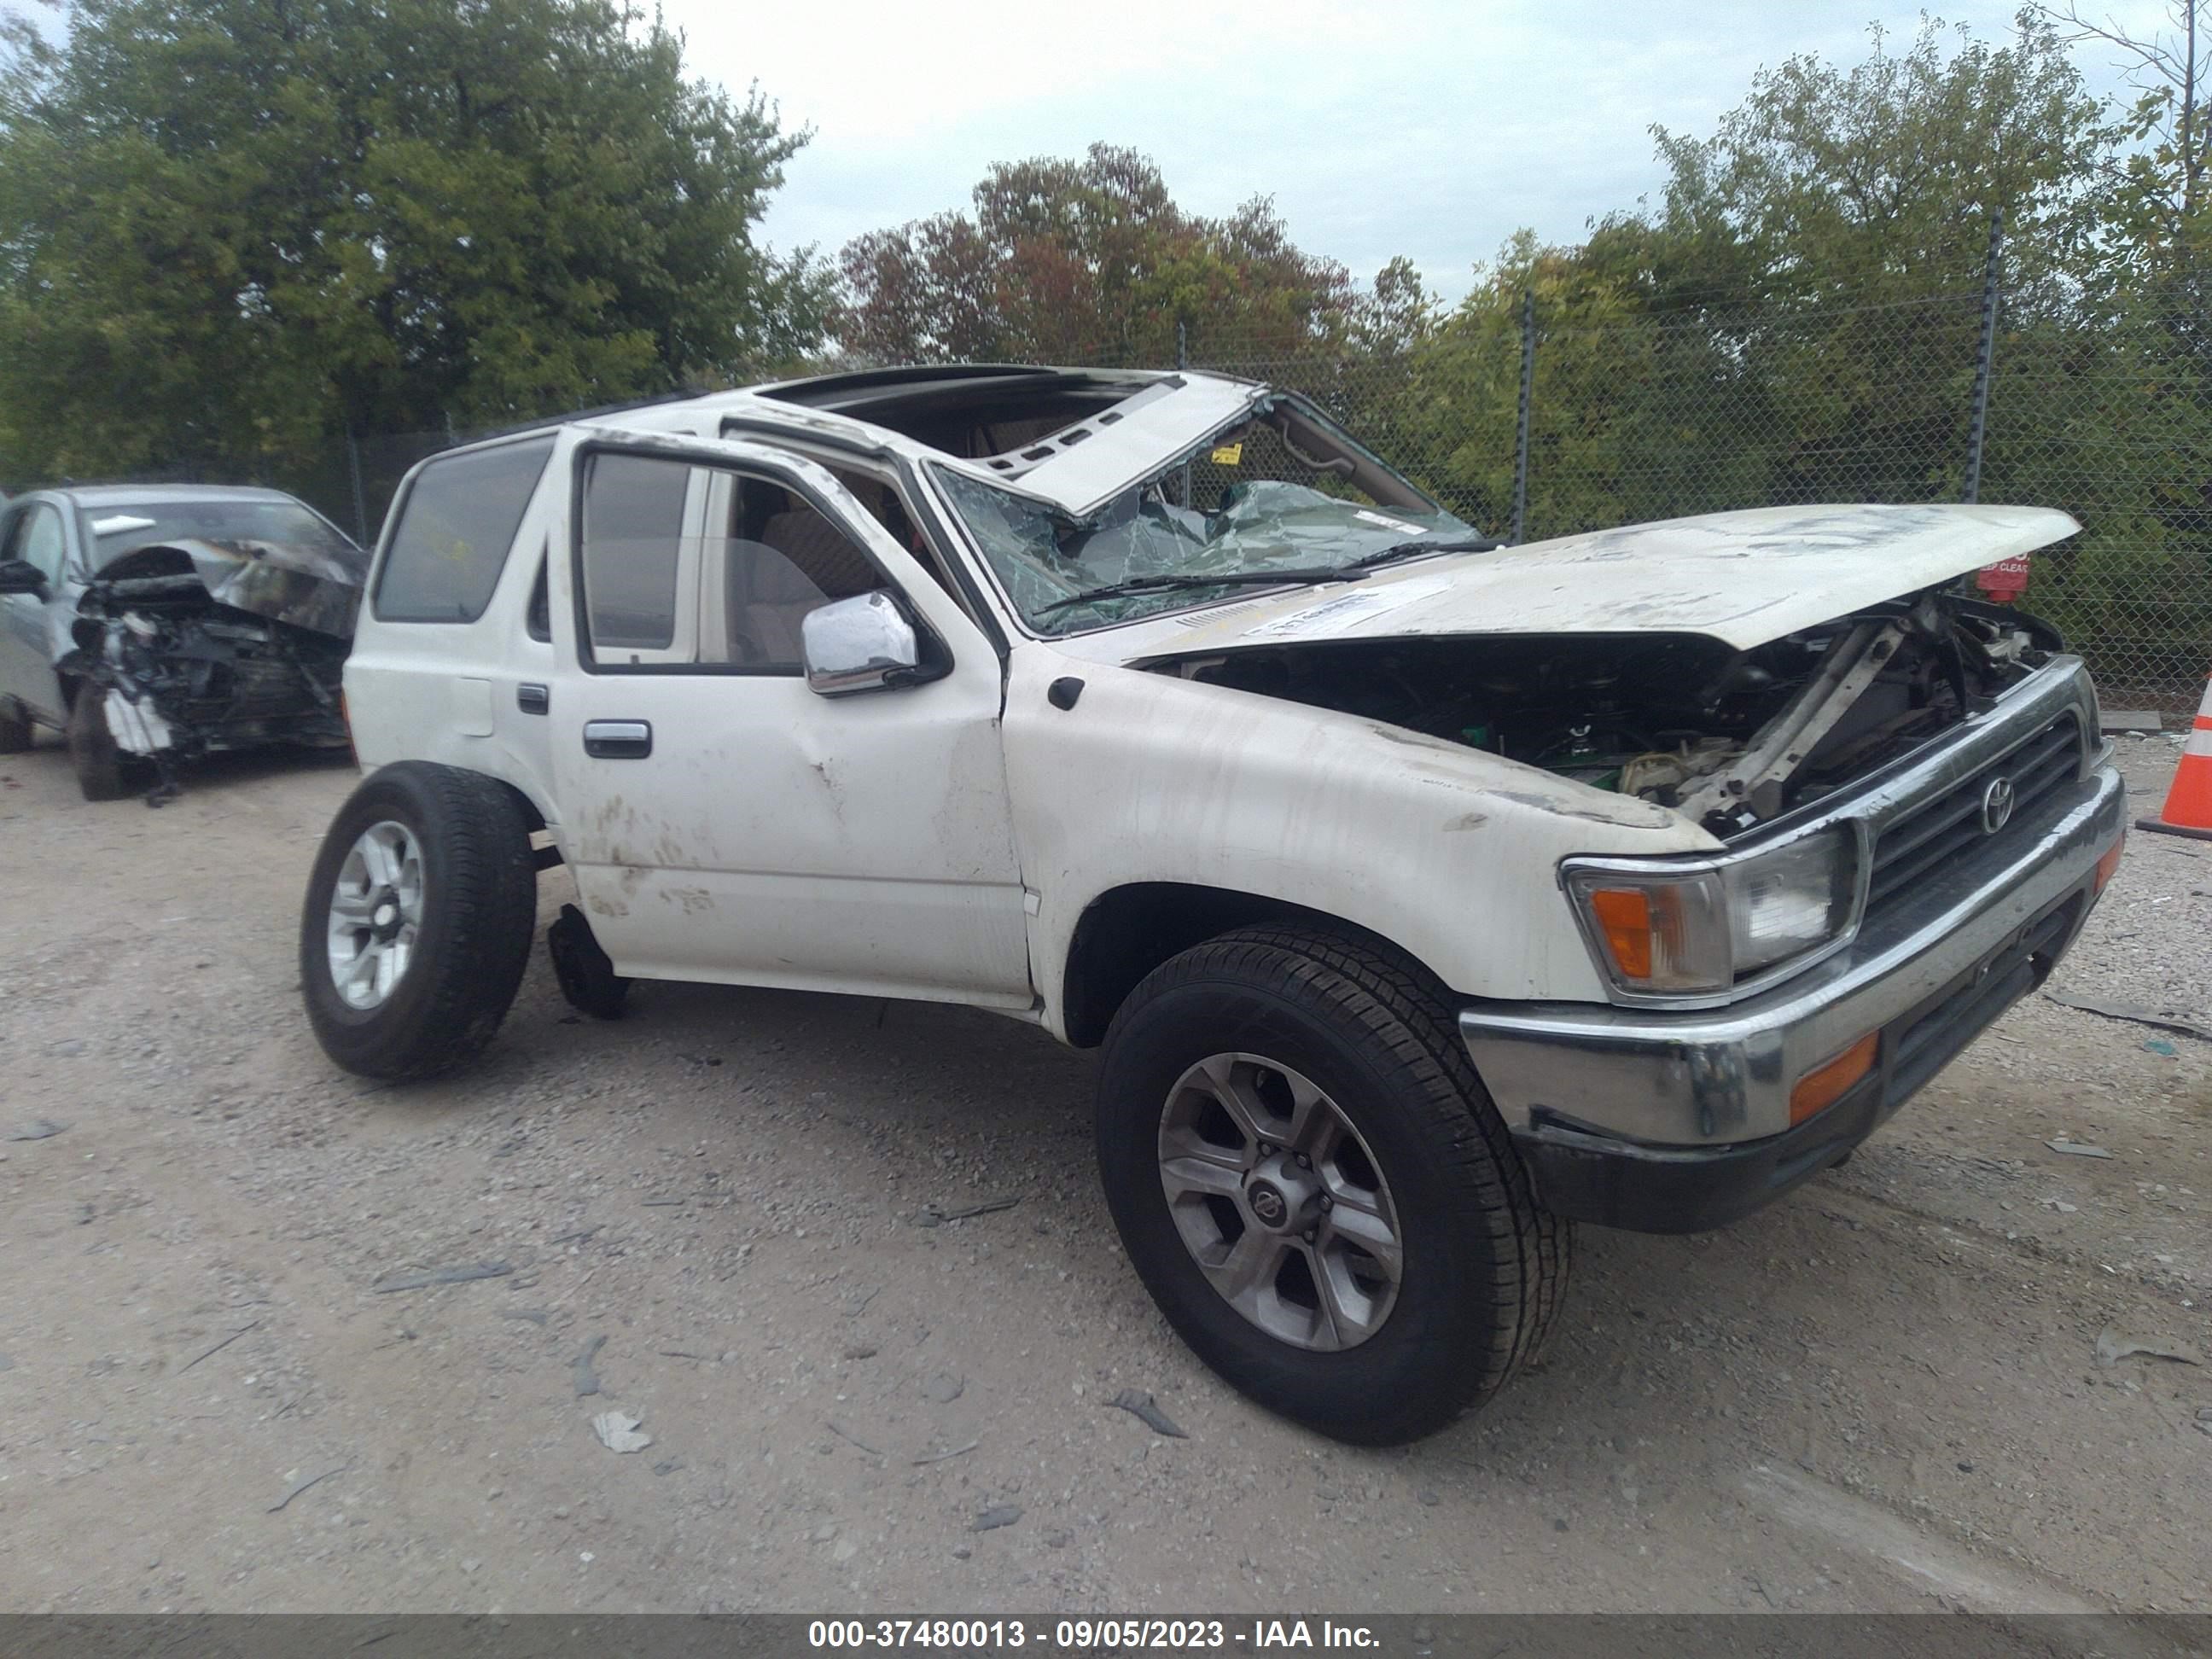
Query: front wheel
pixel 1311 1181
pixel 103 771
pixel 417 922
pixel 15 726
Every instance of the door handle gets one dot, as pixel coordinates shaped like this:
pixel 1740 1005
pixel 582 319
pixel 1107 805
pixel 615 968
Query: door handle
pixel 618 740
pixel 532 699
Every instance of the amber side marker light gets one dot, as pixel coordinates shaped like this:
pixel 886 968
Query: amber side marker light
pixel 2109 866
pixel 345 719
pixel 1624 915
pixel 1827 1082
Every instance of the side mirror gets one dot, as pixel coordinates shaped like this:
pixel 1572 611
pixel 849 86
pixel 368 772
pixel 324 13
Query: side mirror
pixel 861 644
pixel 21 576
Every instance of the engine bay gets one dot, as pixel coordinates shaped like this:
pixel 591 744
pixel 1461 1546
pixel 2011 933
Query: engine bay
pixel 183 675
pixel 1732 739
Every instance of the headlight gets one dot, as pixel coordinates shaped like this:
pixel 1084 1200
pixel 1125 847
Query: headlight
pixel 1670 928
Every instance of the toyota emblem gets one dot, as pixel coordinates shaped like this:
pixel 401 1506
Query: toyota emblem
pixel 1996 806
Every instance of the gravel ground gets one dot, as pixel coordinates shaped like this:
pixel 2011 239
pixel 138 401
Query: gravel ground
pixel 1883 1393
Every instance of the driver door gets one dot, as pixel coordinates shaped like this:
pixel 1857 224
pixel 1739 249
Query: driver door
pixel 724 821
pixel 33 533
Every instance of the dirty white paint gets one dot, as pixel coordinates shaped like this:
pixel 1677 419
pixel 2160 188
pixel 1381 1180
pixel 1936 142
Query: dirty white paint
pixel 780 837
pixel 1153 427
pixel 400 681
pixel 1449 851
pixel 472 715
pixel 777 838
pixel 1743 578
pixel 1347 611
pixel 945 840
pixel 773 836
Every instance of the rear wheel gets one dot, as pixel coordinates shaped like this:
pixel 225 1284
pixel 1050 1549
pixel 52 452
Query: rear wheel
pixel 15 726
pixel 417 922
pixel 584 972
pixel 1311 1181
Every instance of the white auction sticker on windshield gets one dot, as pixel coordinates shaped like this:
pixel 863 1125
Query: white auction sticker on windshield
pixel 1398 525
pixel 116 524
pixel 1340 614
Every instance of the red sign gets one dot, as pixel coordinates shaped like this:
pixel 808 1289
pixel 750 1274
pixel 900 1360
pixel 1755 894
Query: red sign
pixel 2005 580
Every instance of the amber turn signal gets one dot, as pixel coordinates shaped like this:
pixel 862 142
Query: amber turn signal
pixel 1827 1082
pixel 2109 866
pixel 1624 914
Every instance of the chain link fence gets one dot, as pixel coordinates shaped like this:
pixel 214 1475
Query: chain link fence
pixel 1550 417
pixel 1545 424
pixel 350 482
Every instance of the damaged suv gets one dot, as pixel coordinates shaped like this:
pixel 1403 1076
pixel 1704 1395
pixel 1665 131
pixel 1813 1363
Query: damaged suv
pixel 1424 896
pixel 154 624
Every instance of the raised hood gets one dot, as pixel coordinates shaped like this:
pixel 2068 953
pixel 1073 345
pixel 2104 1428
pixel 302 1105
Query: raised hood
pixel 1742 578
pixel 286 582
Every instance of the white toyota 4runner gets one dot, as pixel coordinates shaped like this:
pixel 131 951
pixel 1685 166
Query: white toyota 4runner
pixel 1426 897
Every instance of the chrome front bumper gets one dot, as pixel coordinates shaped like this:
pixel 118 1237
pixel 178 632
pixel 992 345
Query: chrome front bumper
pixel 1651 1083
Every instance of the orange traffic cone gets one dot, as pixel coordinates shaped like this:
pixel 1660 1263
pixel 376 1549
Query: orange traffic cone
pixel 2189 803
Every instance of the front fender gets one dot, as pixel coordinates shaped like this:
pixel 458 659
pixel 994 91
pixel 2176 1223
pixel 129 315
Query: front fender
pixel 1448 852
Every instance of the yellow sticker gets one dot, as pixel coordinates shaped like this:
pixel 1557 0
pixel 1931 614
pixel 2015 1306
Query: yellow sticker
pixel 1229 455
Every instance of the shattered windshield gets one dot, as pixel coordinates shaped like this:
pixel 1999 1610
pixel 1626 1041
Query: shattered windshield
pixel 1281 497
pixel 283 524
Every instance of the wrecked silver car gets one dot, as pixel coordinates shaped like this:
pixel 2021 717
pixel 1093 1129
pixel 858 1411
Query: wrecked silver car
pixel 156 624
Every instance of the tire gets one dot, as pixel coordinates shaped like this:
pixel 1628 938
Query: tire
pixel 15 726
pixel 103 772
pixel 584 972
pixel 444 961
pixel 1481 1268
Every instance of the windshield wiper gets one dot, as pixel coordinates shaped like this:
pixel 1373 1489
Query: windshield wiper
pixel 1421 544
pixel 1223 579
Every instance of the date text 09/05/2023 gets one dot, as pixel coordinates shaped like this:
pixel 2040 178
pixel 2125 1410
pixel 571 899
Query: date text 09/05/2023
pixel 1124 1635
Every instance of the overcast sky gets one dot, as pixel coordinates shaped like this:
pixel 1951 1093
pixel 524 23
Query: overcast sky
pixel 1430 127
pixel 1390 126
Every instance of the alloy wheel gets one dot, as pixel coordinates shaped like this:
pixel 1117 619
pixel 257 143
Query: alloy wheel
pixel 376 915
pixel 1279 1201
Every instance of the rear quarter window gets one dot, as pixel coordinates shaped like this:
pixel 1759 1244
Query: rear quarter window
pixel 455 523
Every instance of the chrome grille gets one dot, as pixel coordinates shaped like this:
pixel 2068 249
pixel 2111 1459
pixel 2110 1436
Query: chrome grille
pixel 1947 824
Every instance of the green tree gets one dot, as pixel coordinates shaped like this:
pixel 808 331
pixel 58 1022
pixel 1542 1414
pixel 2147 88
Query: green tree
pixel 1091 261
pixel 2159 209
pixel 2122 392
pixel 2102 416
pixel 1831 237
pixel 1878 180
pixel 1622 424
pixel 232 228
pixel 1797 319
